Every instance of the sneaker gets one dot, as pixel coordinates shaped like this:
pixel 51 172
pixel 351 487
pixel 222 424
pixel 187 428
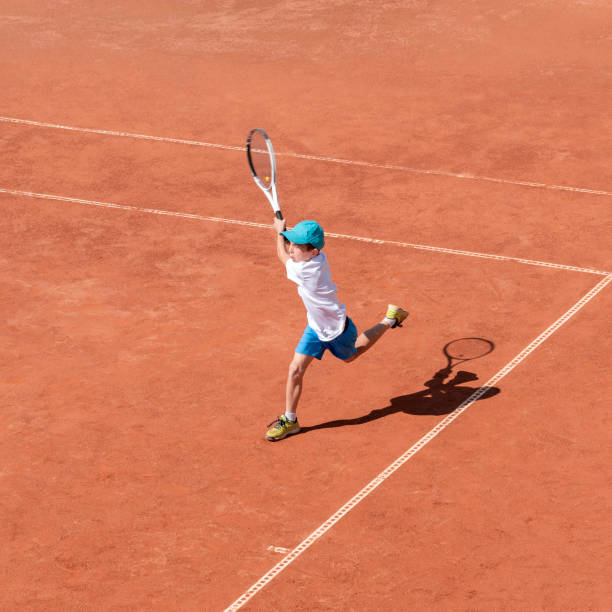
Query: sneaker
pixel 397 313
pixel 283 427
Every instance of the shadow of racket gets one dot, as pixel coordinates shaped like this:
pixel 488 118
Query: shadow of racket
pixel 461 350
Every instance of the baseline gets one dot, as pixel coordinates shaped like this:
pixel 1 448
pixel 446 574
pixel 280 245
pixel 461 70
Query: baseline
pixel 422 247
pixel 334 160
pixel 415 448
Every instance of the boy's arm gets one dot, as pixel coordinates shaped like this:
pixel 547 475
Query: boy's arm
pixel 280 225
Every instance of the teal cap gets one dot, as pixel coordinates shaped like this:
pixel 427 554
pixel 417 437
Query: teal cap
pixel 306 232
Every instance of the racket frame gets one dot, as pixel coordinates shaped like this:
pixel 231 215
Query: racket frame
pixel 269 191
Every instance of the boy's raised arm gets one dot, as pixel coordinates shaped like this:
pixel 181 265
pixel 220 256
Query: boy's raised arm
pixel 280 225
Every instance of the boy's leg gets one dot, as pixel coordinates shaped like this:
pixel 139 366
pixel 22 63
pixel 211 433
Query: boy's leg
pixel 287 423
pixel 367 339
pixel 297 369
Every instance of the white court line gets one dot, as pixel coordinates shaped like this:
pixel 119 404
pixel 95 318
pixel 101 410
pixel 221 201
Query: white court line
pixel 415 448
pixel 70 128
pixel 334 160
pixel 422 247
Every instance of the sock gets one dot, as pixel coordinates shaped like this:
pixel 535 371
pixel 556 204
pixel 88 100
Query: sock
pixel 292 416
pixel 389 322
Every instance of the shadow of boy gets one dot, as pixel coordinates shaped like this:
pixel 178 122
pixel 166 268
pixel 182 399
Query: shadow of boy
pixel 438 398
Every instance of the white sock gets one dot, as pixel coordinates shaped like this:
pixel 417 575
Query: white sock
pixel 292 416
pixel 389 322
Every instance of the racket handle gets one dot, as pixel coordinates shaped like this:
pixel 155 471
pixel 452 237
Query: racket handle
pixel 279 215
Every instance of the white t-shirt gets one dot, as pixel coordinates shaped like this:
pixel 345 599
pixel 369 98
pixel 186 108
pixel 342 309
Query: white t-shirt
pixel 325 314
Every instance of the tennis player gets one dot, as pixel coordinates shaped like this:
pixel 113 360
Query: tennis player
pixel 328 326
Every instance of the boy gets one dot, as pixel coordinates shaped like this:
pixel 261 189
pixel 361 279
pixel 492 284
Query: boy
pixel 328 326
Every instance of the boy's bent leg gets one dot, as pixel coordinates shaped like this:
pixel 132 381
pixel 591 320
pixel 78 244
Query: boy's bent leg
pixel 367 339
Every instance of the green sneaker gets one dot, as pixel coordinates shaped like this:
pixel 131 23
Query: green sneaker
pixel 397 313
pixel 283 427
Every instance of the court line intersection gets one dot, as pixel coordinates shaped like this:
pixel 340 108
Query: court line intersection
pixel 415 448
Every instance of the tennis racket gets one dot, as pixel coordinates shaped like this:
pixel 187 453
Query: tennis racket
pixel 263 166
pixel 466 349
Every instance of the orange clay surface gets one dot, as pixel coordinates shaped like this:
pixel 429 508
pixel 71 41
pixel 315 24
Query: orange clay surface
pixel 142 355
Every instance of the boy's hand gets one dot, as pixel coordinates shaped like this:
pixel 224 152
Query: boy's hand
pixel 280 225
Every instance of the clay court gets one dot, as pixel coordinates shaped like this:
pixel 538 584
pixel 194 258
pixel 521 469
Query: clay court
pixel 457 156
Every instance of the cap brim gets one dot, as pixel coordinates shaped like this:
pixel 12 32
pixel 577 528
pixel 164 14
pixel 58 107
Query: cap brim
pixel 294 237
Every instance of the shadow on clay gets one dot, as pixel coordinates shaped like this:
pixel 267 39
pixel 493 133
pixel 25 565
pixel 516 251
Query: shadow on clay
pixel 442 395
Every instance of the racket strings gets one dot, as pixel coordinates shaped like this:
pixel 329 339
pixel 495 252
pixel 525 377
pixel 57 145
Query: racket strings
pixel 260 159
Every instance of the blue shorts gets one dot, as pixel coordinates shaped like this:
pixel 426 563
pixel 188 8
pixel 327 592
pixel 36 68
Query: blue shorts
pixel 341 347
